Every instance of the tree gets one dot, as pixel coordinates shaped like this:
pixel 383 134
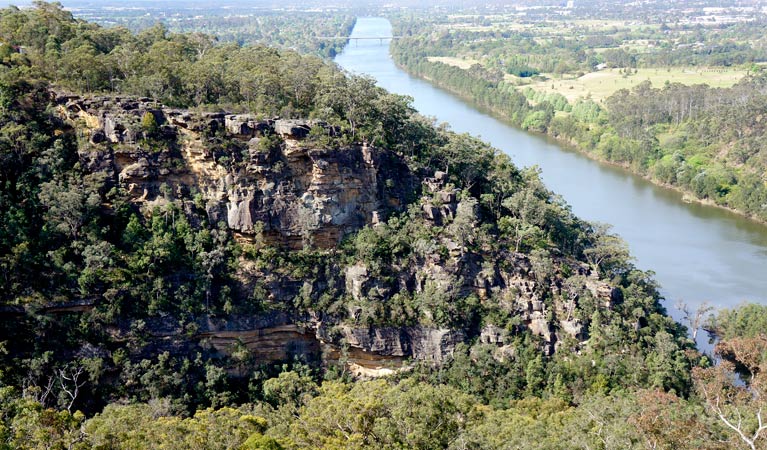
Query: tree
pixel 665 421
pixel 748 320
pixel 529 211
pixel 70 203
pixel 149 124
pixel 71 379
pixel 738 404
pixel 352 99
pixel 606 249
pixel 696 317
pixel 466 159
pixel 289 389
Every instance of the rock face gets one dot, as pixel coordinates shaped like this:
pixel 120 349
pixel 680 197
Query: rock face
pixel 428 344
pixel 318 195
pixel 267 180
pixel 276 337
pixel 260 176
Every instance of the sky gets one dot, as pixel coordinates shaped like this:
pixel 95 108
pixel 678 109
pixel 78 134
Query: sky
pixel 213 3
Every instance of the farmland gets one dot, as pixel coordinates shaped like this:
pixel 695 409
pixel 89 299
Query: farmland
pixel 601 84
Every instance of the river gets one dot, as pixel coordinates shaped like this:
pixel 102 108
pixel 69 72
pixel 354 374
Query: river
pixel 698 253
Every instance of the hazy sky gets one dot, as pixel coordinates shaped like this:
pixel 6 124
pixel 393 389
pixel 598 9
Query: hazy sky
pixel 128 3
pixel 219 3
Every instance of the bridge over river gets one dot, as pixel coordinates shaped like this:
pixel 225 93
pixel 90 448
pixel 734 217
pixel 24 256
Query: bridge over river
pixel 356 39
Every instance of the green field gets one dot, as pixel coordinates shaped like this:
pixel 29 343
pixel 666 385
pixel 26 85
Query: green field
pixel 602 84
pixel 541 28
pixel 461 63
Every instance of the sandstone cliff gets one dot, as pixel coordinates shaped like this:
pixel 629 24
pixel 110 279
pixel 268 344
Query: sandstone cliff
pixel 272 181
pixel 255 175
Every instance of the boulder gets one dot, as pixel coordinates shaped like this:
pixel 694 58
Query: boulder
pixel 293 129
pixel 356 278
pixel 98 137
pixel 239 125
pixel 492 334
pixel 423 343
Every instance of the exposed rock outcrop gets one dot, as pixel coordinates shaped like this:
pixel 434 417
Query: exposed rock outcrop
pixel 294 192
pixel 427 344
pixel 268 180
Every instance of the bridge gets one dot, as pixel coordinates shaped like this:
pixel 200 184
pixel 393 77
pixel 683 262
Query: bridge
pixel 357 39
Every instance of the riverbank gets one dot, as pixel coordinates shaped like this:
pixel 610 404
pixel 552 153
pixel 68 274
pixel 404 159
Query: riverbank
pixel 697 253
pixel 686 195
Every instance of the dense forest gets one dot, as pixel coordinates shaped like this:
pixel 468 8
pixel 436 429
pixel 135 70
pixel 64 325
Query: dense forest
pixel 705 141
pixel 309 32
pixel 143 306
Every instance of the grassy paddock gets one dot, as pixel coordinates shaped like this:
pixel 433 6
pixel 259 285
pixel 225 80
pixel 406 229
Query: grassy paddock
pixel 461 63
pixel 602 84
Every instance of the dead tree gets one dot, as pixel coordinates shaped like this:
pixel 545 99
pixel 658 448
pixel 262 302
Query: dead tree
pixel 694 317
pixel 71 380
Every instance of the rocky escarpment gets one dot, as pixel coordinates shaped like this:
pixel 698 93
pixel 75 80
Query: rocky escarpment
pixel 273 182
pixel 257 176
pixel 278 336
